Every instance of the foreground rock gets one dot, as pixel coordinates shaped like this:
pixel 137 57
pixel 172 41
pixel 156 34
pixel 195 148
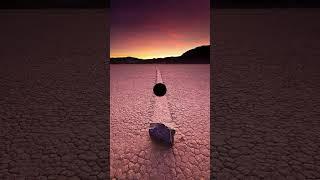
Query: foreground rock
pixel 161 134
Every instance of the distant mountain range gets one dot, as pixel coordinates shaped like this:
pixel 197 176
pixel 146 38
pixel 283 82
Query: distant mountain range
pixel 198 55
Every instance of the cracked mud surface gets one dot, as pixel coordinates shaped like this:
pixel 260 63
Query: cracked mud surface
pixel 53 111
pixel 265 94
pixel 185 107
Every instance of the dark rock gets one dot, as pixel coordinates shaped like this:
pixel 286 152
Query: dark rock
pixel 161 134
pixel 159 89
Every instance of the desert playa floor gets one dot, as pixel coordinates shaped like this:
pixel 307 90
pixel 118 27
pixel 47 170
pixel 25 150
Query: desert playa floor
pixel 53 108
pixel 265 85
pixel 265 94
pixel 185 107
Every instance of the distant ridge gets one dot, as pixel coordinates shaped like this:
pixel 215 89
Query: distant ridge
pixel 201 53
pixel 198 55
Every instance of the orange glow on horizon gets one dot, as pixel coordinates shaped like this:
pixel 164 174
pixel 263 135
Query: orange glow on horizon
pixel 157 52
pixel 148 30
pixel 159 46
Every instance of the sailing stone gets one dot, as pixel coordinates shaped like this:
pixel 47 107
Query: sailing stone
pixel 161 134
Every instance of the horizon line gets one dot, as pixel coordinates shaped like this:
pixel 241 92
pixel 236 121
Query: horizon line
pixel 159 57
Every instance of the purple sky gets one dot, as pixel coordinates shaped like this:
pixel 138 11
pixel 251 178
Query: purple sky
pixel 150 28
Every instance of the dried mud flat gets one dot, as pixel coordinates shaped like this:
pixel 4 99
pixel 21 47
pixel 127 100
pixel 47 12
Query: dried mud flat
pixel 53 107
pixel 185 107
pixel 265 97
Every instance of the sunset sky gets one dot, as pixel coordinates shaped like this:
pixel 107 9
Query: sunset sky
pixel 151 29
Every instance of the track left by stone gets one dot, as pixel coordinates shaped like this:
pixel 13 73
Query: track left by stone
pixel 134 106
pixel 161 111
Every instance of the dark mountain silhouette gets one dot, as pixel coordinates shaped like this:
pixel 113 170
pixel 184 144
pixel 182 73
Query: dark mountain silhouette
pixel 201 53
pixel 198 55
pixel 125 60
